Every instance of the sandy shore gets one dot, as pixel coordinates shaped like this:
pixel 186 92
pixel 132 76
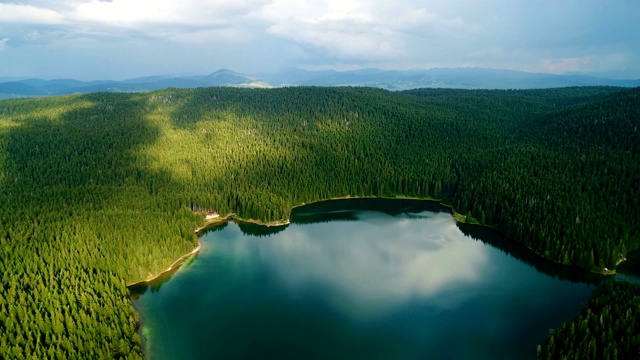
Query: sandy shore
pixel 176 264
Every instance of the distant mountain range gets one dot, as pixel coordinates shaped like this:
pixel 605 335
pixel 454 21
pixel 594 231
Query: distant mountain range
pixel 464 78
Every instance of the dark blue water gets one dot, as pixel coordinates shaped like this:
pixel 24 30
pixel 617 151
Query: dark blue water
pixel 360 285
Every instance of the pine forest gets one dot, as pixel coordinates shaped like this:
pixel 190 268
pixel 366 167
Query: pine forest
pixel 101 190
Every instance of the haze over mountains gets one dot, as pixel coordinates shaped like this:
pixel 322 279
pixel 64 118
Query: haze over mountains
pixel 464 78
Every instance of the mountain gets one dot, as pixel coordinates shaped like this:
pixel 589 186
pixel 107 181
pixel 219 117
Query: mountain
pixel 126 86
pixel 463 78
pixel 21 88
pixel 225 77
pixel 294 76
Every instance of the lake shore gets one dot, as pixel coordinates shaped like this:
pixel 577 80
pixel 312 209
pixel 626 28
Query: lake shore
pixel 208 225
pixel 211 223
pixel 458 217
pixel 173 267
pixel 205 292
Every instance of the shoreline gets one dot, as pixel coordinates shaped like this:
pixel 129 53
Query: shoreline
pixel 173 267
pixel 213 222
pixel 176 264
pixel 461 218
pixel 210 223
pixel 457 217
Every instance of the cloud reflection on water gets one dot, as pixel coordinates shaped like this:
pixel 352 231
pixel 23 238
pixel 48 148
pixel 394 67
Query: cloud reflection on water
pixel 393 260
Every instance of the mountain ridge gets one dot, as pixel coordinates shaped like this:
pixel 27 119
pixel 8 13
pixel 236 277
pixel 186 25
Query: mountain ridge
pixel 463 78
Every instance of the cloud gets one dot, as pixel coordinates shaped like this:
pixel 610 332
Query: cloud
pixel 3 43
pixel 354 29
pixel 574 35
pixel 28 14
pixel 591 63
pixel 127 13
pixel 564 65
pixel 371 275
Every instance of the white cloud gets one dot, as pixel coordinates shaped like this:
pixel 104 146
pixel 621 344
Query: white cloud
pixel 210 36
pixel 27 14
pixel 373 275
pixel 576 35
pixel 563 65
pixel 120 12
pixel 342 38
pixel 589 63
pixel 375 30
pixel 138 13
pixel 3 43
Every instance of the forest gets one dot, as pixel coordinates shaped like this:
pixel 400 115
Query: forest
pixel 104 189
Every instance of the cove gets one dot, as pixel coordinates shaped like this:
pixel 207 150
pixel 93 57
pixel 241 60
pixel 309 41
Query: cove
pixel 365 278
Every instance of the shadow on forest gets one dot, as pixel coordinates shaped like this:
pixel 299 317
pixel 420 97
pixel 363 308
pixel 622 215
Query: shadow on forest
pixel 75 194
pixel 81 156
pixel 518 251
pixel 261 136
pixel 77 159
pixel 85 157
pixel 344 209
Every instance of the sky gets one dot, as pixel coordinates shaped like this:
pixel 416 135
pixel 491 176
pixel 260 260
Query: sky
pixel 119 39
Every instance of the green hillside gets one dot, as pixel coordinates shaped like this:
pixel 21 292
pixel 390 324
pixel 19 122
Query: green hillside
pixel 104 189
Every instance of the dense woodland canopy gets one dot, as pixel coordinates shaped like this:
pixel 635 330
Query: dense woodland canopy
pixel 103 189
pixel 607 328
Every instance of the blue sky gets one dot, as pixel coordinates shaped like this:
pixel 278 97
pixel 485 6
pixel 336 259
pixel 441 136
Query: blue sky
pixel 120 39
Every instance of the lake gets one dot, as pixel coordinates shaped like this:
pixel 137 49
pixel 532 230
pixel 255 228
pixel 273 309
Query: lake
pixel 359 279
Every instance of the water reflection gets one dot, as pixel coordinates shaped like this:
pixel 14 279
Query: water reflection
pixel 629 270
pixel 388 263
pixel 518 251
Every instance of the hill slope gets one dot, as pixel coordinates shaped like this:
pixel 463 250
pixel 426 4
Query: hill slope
pixel 99 190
